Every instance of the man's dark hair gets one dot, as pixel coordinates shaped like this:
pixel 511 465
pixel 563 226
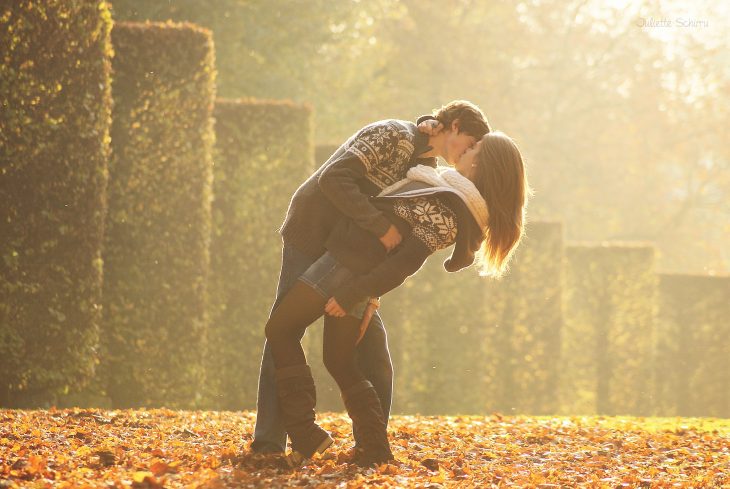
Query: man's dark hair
pixel 471 119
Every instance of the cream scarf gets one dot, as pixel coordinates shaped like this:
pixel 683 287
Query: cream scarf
pixel 450 180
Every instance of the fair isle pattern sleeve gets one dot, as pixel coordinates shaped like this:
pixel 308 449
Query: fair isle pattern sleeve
pixel 384 148
pixel 432 221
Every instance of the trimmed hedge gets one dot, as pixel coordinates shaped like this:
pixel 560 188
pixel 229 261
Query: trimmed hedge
pixel 434 322
pixel 54 135
pixel 156 247
pixel 466 344
pixel 607 342
pixel 526 311
pixel 322 153
pixel 264 150
pixel 693 346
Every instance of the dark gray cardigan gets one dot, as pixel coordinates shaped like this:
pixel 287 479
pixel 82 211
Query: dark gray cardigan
pixel 379 272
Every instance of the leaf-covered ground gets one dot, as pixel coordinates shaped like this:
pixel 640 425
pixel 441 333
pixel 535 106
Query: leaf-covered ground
pixel 209 449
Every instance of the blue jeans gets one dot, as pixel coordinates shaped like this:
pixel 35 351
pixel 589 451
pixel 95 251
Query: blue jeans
pixel 326 276
pixel 373 359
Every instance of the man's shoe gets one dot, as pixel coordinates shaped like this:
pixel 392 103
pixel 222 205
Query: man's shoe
pixel 265 448
pixel 370 458
pixel 295 458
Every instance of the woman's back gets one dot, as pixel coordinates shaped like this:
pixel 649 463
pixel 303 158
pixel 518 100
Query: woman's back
pixel 429 222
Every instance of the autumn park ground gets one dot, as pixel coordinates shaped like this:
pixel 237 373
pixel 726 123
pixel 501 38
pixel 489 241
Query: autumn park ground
pixel 209 449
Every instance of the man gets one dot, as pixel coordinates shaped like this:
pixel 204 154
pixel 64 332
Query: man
pixel 375 157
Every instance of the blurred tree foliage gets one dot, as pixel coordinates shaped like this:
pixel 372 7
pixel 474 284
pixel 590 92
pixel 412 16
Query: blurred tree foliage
pixel 318 51
pixel 624 127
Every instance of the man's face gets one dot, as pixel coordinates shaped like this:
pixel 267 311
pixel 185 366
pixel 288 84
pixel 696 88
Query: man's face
pixel 456 144
pixel 464 165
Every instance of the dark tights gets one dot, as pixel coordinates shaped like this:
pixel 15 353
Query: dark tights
pixel 299 308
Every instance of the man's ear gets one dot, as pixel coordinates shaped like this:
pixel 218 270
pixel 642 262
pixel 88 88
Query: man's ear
pixel 455 126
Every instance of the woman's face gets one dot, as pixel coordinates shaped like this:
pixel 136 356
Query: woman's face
pixel 464 165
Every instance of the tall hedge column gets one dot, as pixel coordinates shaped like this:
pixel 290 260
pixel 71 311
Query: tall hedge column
pixel 55 107
pixel 524 329
pixel 608 339
pixel 693 346
pixel 264 150
pixel 156 247
pixel 468 344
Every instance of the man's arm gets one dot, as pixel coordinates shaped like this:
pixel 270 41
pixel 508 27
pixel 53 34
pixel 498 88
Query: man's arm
pixel 338 183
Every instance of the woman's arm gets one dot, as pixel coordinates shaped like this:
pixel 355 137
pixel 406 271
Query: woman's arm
pixel 406 260
pixel 435 228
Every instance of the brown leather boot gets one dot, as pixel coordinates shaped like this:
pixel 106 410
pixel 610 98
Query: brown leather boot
pixel 368 423
pixel 297 398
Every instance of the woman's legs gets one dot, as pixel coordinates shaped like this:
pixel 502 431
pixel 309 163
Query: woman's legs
pixel 294 382
pixel 340 337
pixel 361 400
pixel 299 308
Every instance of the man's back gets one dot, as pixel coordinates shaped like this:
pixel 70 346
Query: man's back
pixel 375 157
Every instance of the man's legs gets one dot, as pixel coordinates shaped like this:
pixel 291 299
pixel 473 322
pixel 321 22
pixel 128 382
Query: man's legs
pixel 373 360
pixel 269 433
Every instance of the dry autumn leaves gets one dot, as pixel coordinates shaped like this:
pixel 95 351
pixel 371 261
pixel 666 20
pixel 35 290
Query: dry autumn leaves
pixel 208 449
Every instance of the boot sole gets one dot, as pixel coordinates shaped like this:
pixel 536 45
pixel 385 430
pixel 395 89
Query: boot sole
pixel 296 459
pixel 366 462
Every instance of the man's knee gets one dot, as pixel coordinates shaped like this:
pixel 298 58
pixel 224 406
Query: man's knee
pixel 273 331
pixel 373 349
pixel 331 362
pixel 378 369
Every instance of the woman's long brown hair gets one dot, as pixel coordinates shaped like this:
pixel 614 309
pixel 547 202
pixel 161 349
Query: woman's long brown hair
pixel 501 178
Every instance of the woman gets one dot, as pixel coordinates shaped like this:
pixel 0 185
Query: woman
pixel 479 206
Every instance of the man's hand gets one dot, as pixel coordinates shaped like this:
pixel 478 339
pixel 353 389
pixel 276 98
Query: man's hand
pixel 333 308
pixel 391 238
pixel 432 127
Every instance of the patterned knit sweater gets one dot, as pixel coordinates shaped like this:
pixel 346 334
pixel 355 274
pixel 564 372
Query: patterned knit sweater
pixel 432 222
pixel 374 158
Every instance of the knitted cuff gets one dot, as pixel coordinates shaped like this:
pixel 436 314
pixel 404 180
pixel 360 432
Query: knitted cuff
pixel 379 226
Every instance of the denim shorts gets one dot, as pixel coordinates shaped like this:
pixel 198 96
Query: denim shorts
pixel 326 275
